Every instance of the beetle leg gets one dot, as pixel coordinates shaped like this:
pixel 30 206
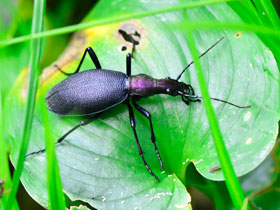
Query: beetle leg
pixel 129 37
pixel 133 44
pixel 133 125
pixel 67 74
pixel 82 123
pixel 93 57
pixel 148 115
pixel 128 64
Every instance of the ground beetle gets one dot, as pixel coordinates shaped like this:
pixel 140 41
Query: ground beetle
pixel 96 90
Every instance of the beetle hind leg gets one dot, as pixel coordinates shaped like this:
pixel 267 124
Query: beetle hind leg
pixel 93 57
pixel 62 138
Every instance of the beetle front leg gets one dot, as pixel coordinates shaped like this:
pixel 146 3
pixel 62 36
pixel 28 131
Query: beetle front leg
pixel 133 125
pixel 82 123
pixel 148 115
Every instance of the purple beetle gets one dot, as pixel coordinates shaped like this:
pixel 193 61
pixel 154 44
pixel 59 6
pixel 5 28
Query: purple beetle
pixel 93 91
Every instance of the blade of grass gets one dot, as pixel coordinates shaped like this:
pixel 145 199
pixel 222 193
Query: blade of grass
pixel 199 25
pixel 232 183
pixel 270 36
pixel 110 20
pixel 37 26
pixel 55 191
pixel 265 11
pixel 4 166
pixel 245 204
pixel 208 25
pixel 268 12
pixel 251 8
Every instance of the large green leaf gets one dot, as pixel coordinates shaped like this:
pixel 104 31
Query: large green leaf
pixel 99 163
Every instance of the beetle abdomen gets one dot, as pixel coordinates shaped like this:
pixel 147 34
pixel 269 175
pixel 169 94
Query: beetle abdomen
pixel 88 92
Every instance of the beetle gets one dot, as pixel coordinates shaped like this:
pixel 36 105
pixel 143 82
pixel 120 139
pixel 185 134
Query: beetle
pixel 93 91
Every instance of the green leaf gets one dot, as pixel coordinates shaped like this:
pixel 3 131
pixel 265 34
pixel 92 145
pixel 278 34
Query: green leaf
pixel 99 163
pixel 79 208
pixel 262 12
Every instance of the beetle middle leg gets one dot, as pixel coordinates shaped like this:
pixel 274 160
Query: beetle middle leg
pixel 129 38
pixel 148 115
pixel 133 125
pixel 82 123
pixel 128 64
pixel 93 57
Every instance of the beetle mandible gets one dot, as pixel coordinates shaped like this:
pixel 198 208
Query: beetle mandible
pixel 96 90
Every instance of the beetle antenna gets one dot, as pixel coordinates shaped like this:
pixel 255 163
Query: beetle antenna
pixel 199 57
pixel 215 99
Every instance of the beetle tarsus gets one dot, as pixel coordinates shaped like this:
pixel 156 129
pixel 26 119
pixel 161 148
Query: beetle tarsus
pixel 58 68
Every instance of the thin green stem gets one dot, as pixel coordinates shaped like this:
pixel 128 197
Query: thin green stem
pixel 209 25
pixel 245 204
pixel 251 8
pixel 233 185
pixel 37 26
pixel 269 12
pixel 69 29
pixel 5 175
pixel 54 184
